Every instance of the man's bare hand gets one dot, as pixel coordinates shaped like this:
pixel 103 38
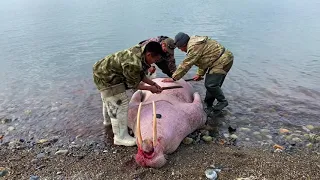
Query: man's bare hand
pixel 197 78
pixel 167 80
pixel 154 89
pixel 157 86
pixel 152 69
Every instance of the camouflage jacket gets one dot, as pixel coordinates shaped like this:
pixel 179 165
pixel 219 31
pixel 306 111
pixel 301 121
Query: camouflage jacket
pixel 167 63
pixel 204 53
pixel 127 66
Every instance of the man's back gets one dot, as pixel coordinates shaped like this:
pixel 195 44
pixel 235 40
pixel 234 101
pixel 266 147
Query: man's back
pixel 118 67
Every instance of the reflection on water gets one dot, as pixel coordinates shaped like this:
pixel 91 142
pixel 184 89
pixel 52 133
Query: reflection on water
pixel 47 56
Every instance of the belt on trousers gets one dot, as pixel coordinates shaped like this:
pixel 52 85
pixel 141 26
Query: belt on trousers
pixel 113 90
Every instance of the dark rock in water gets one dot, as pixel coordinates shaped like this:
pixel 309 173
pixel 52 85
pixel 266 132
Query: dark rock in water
pixel 5 120
pixel 232 129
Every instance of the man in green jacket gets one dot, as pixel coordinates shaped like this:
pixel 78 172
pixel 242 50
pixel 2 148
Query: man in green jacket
pixel 115 74
pixel 213 59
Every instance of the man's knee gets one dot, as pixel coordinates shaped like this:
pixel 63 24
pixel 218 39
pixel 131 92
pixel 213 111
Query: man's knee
pixel 213 80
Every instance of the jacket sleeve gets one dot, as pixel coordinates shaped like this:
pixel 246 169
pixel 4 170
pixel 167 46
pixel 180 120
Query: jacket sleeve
pixel 172 64
pixel 186 65
pixel 201 72
pixel 132 70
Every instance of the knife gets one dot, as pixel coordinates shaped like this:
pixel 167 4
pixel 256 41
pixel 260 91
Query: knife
pixel 171 87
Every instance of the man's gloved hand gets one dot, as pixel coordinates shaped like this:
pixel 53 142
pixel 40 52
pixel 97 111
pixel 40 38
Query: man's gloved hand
pixel 197 78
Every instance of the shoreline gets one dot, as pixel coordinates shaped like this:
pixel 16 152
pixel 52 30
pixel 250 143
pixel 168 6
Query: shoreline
pixel 94 160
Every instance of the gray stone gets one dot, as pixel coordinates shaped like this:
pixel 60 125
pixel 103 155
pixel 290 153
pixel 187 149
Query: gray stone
pixel 245 129
pixel 11 128
pixel 41 155
pixel 62 152
pixel 207 138
pixel 233 136
pixel 187 140
pixel 310 127
pixel 256 133
pixel 32 177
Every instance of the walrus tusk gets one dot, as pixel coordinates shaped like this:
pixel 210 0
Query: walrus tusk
pixel 138 130
pixel 154 124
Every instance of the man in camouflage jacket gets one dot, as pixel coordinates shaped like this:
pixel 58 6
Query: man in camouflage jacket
pixel 212 59
pixel 167 62
pixel 115 74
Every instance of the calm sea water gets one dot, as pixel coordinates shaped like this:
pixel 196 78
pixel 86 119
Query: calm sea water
pixel 48 49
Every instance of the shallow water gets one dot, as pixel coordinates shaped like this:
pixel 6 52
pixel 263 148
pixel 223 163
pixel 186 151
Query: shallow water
pixel 48 49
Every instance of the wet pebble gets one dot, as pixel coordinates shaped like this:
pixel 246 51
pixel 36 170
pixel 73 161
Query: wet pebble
pixel 211 174
pixel 41 155
pixel 245 129
pixel 75 146
pixel 256 133
pixel 32 177
pixel 62 152
pixel 288 138
pixel 309 145
pixel 204 132
pixel 305 128
pixel 310 127
pixel 5 120
pixel 207 138
pixel 59 172
pixel 269 136
pixel 247 139
pixel 27 112
pixel 232 129
pixel 296 139
pixel 187 140
pixel 3 171
pixel 233 136
pixel 11 128
pixel 14 144
pixel 283 131
pixel 264 131
pixel 42 141
pixel 226 135
pixel 259 137
pixel 277 150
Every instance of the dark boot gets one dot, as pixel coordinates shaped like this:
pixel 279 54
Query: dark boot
pixel 213 83
pixel 209 99
pixel 222 101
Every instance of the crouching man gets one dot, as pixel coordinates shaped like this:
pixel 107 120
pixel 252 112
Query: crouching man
pixel 212 59
pixel 167 63
pixel 115 74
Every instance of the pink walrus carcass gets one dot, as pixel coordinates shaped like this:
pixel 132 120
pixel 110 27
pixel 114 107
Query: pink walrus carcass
pixel 165 120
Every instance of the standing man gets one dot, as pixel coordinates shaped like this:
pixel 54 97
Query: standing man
pixel 167 62
pixel 213 59
pixel 115 74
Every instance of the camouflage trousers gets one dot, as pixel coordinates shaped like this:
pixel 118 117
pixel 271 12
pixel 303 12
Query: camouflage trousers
pixel 115 104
